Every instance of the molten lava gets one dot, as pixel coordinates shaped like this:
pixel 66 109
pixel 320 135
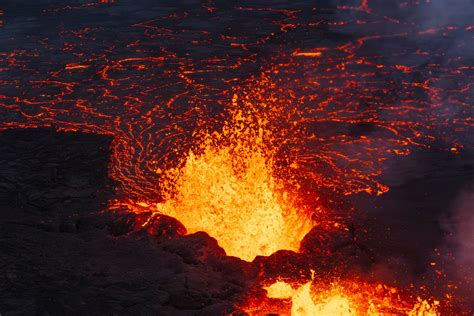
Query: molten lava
pixel 229 191
pixel 353 298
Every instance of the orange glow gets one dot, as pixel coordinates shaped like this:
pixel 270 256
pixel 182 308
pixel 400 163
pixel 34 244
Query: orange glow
pixel 308 54
pixel 348 299
pixel 228 190
pixel 75 66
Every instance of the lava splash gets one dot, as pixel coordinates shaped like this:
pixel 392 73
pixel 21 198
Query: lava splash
pixel 228 190
pixel 347 299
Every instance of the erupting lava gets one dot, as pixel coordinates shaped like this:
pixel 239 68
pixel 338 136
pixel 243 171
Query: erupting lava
pixel 345 298
pixel 228 190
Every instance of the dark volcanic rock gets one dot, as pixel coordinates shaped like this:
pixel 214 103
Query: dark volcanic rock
pixel 59 255
pixel 194 248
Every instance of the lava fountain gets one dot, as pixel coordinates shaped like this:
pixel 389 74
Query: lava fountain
pixel 226 187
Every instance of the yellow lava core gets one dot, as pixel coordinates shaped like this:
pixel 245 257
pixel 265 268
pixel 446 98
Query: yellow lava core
pixel 228 190
pixel 338 302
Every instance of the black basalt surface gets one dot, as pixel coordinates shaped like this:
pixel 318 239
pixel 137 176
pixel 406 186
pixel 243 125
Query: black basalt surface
pixel 61 254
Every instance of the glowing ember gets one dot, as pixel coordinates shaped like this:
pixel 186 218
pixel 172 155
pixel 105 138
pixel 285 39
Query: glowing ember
pixel 228 190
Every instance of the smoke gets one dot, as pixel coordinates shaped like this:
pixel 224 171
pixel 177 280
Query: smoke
pixel 459 227
pixel 437 13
